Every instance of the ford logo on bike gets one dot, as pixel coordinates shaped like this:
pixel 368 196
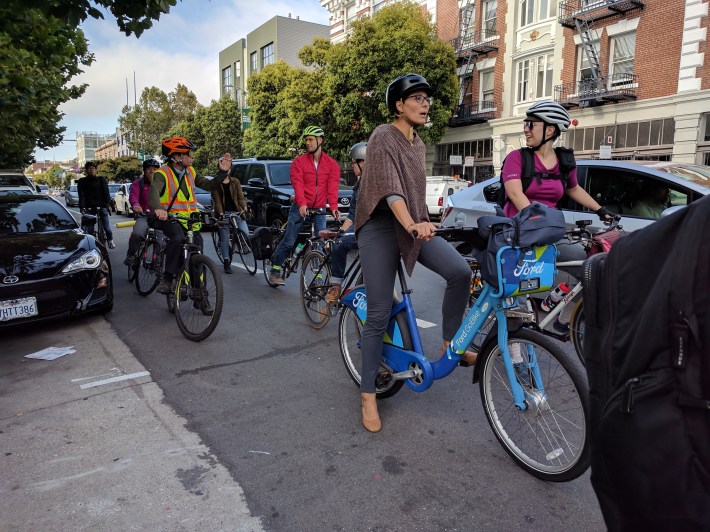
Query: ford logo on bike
pixel 344 201
pixel 11 279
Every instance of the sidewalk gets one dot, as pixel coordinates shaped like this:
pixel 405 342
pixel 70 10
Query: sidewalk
pixel 79 453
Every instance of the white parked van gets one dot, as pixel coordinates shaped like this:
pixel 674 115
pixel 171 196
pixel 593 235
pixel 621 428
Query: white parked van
pixel 438 188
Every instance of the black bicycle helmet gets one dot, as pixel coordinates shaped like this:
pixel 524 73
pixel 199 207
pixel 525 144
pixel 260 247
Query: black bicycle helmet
pixel 150 162
pixel 357 151
pixel 403 86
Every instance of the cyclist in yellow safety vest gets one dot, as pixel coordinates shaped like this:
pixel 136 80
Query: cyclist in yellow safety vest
pixel 173 190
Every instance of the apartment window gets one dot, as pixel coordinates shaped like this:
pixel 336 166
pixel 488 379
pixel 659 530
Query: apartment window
pixel 227 85
pixel 254 65
pixel 584 69
pixel 467 17
pixel 490 8
pixel 523 75
pixel 237 70
pixel 351 12
pixel 379 5
pixel 532 11
pixel 623 50
pixel 543 88
pixel 486 82
pixel 267 55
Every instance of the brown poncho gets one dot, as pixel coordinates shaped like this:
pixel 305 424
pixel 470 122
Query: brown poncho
pixel 394 166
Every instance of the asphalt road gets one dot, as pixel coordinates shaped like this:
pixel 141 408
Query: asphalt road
pixel 271 399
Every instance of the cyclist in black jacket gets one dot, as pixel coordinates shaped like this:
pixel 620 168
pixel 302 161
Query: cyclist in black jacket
pixel 94 195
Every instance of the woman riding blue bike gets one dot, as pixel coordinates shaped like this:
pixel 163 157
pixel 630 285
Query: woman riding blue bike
pixel 392 220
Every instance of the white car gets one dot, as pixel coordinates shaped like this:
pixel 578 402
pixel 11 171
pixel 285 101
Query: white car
pixel 15 182
pixel 120 198
pixel 438 188
pixel 616 185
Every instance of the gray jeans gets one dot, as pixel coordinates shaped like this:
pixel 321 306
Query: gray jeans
pixel 379 257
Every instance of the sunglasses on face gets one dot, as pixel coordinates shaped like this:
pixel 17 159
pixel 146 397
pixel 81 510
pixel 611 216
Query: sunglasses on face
pixel 420 99
pixel 529 124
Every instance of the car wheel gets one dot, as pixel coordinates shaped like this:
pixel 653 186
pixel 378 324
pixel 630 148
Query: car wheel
pixel 276 221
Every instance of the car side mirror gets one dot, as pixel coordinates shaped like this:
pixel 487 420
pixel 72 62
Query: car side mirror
pixel 671 210
pixel 256 182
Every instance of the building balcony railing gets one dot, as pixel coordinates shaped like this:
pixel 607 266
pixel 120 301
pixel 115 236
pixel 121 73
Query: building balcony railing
pixel 587 93
pixel 591 10
pixel 477 42
pixel 467 114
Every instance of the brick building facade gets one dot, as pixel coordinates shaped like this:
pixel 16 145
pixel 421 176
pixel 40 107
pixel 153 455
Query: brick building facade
pixel 648 98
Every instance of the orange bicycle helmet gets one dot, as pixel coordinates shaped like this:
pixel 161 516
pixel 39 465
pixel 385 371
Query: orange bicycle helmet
pixel 175 145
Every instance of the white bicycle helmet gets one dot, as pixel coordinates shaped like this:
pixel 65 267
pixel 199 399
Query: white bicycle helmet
pixel 551 113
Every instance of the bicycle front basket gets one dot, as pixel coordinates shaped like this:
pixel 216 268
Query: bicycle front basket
pixel 525 271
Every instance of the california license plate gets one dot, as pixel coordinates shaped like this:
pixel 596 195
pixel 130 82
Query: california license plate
pixel 18 308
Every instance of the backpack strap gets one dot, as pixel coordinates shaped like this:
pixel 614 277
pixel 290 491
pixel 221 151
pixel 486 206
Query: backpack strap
pixel 685 339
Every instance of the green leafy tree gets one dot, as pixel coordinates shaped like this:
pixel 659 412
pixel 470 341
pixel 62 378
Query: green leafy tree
pixel 155 114
pixel 41 50
pixel 344 89
pixel 215 129
pixel 121 170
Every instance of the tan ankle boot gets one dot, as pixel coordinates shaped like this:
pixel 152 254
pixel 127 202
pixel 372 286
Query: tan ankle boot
pixel 370 417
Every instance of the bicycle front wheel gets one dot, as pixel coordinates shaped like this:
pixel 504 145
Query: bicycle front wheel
pixel 198 298
pixel 148 274
pixel 217 242
pixel 315 282
pixel 243 247
pixel 549 439
pixel 576 329
pixel 133 268
pixel 350 340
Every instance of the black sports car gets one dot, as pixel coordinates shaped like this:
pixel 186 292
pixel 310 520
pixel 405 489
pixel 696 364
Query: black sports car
pixel 48 267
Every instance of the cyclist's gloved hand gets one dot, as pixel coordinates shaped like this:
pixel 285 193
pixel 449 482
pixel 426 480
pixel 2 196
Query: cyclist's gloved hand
pixel 604 214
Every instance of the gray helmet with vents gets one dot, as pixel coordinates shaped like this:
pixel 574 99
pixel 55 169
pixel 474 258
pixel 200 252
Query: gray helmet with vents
pixel 551 113
pixel 357 151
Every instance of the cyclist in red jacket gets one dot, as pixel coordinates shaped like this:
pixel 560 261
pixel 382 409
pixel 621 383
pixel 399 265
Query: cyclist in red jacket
pixel 315 177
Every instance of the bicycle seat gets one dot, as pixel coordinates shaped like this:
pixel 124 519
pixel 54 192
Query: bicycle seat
pixel 327 234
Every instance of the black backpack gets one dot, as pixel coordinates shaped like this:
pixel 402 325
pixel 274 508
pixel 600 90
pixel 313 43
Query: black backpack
pixel 262 243
pixel 647 351
pixel 565 158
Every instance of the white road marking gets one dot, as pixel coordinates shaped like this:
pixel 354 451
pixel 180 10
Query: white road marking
pixel 422 324
pixel 115 379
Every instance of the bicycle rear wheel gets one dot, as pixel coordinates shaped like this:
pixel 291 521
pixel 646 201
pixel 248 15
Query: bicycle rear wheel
pixel 198 298
pixel 349 338
pixel 548 440
pixel 576 329
pixel 148 269
pixel 242 245
pixel 315 282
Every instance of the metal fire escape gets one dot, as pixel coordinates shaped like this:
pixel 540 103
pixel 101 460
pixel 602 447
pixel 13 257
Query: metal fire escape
pixel 471 44
pixel 597 89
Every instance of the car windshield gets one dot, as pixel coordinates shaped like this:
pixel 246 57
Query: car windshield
pixel 113 188
pixel 33 215
pixel 280 174
pixel 199 190
pixel 72 188
pixel 692 172
pixel 10 180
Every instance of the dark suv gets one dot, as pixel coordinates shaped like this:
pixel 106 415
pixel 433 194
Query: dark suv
pixel 266 183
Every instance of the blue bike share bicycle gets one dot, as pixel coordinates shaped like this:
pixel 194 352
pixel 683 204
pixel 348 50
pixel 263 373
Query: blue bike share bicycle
pixel 534 394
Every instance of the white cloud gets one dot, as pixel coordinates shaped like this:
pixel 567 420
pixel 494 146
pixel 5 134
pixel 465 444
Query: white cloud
pixel 182 47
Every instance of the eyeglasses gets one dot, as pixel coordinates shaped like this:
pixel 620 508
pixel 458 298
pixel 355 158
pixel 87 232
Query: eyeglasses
pixel 420 99
pixel 529 124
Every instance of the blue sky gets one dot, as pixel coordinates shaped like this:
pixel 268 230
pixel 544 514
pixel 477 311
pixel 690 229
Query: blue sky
pixel 182 47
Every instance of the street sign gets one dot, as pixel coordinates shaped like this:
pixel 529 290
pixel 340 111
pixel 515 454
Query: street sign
pixel 455 160
pixel 246 119
pixel 470 159
pixel 605 151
